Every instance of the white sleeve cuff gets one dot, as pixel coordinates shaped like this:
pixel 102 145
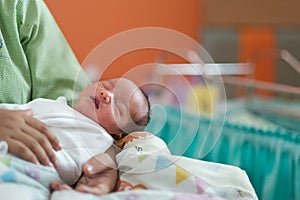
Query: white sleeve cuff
pixel 3 147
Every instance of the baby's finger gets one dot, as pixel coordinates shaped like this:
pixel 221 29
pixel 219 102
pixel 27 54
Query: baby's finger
pixel 55 185
pixel 65 187
pixel 100 189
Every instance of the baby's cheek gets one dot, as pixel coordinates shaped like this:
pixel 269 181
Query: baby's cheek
pixel 99 116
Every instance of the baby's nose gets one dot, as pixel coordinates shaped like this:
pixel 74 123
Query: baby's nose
pixel 105 97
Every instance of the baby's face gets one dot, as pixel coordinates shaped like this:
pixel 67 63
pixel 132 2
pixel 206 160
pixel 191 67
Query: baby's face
pixel 111 103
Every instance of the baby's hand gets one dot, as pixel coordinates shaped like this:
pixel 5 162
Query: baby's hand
pixel 55 185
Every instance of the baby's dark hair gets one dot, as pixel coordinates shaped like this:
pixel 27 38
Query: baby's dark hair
pixel 139 122
pixel 144 121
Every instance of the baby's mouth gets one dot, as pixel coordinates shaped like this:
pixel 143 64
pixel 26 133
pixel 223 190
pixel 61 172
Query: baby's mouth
pixel 95 101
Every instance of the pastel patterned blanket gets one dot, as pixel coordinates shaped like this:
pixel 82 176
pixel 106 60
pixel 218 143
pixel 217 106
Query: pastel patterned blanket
pixel 147 170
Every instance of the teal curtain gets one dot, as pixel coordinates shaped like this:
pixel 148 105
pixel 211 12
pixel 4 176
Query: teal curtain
pixel 269 153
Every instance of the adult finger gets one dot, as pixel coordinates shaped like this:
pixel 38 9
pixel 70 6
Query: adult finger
pixel 101 184
pixel 32 144
pixel 21 150
pixel 41 147
pixel 28 112
pixel 98 164
pixel 41 127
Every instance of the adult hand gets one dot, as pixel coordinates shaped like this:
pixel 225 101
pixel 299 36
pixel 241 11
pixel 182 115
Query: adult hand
pixel 99 175
pixel 27 137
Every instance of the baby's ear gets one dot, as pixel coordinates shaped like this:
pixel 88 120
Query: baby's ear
pixel 117 136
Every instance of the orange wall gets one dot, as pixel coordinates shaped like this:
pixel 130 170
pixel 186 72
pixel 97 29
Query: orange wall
pixel 256 45
pixel 85 24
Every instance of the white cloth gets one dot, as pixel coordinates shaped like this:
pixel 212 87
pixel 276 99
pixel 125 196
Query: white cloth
pixel 145 163
pixel 3 147
pixel 80 136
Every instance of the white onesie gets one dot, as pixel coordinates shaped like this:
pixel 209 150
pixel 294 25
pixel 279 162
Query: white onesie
pixel 80 136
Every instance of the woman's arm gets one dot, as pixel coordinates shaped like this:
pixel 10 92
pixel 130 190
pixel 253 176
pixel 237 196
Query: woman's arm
pixel 35 61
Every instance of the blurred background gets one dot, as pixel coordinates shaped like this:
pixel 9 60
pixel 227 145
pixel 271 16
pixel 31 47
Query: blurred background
pixel 230 31
pixel 262 137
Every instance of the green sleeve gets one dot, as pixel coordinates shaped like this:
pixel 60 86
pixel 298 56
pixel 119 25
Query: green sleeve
pixel 38 61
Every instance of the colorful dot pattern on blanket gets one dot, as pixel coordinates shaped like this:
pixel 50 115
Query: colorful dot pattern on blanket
pixel 5 161
pixel 8 176
pixel 33 173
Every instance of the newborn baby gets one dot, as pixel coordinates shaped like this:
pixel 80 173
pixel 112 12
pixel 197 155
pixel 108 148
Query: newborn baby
pixel 105 110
